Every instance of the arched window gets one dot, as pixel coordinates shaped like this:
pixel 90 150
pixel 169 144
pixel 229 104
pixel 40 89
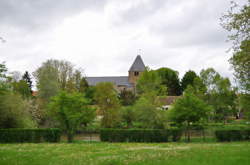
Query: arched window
pixel 136 73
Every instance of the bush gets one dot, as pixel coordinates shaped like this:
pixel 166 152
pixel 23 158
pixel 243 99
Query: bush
pixel 140 135
pixel 29 135
pixel 232 134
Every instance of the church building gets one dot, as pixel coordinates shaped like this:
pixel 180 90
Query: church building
pixel 122 82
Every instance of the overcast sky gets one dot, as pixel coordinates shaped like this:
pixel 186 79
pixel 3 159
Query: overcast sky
pixel 103 36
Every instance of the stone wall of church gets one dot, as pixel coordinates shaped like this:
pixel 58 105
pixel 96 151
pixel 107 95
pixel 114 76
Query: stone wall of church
pixel 133 77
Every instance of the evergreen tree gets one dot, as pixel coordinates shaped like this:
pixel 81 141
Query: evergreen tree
pixel 170 79
pixel 27 79
pixel 188 79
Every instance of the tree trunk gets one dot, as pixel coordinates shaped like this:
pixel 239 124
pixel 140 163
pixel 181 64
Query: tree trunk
pixel 188 132
pixel 70 137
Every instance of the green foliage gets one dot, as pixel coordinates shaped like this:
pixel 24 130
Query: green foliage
pixel 3 70
pixel 4 86
pixel 199 87
pixel 220 94
pixel 83 85
pixel 170 79
pixel 29 135
pixel 22 88
pixel 128 116
pixel 140 135
pixel 71 110
pixel 106 98
pixel 14 112
pixel 90 93
pixel 127 97
pixel 47 80
pixel 149 113
pixel 189 110
pixel 55 75
pixel 26 77
pixel 150 82
pixel 232 134
pixel 241 65
pixel 188 79
pixel 244 105
pixel 236 21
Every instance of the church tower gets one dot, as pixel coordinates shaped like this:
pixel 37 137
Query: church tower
pixel 136 70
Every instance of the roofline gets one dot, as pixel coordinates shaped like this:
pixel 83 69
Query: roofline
pixel 103 76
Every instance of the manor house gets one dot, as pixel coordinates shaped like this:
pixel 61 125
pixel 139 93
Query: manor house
pixel 122 82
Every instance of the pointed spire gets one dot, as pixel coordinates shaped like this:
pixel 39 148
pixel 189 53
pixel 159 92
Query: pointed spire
pixel 138 65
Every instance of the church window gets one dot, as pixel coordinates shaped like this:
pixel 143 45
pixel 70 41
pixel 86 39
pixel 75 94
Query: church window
pixel 136 73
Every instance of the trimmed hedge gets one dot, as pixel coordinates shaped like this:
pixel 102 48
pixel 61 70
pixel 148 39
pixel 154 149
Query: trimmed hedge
pixel 18 135
pixel 228 135
pixel 140 135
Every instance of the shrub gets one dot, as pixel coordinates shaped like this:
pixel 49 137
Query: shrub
pixel 232 134
pixel 140 135
pixel 29 135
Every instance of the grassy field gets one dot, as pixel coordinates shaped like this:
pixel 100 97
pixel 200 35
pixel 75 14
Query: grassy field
pixel 98 153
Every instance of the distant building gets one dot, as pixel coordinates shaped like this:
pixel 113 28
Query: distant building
pixel 122 82
pixel 168 101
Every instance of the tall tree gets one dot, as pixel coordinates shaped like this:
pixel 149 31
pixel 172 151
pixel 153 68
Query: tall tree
pixel 14 112
pixel 148 112
pixel 22 88
pixel 150 82
pixel 170 79
pixel 236 22
pixel 4 85
pixel 189 109
pixel 3 70
pixel 47 78
pixel 71 110
pixel 241 65
pixel 106 98
pixel 209 77
pixel 26 77
pixel 127 97
pixel 188 79
pixel 128 115
pixel 220 94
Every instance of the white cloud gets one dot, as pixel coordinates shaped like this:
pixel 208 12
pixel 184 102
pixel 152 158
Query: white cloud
pixel 104 38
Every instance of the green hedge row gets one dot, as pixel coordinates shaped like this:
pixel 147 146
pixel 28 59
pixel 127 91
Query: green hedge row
pixel 232 134
pixel 29 135
pixel 140 135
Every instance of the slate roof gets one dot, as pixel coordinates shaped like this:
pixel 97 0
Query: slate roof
pixel 138 65
pixel 117 80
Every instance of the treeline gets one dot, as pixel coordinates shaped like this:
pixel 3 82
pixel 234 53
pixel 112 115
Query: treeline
pixel 64 99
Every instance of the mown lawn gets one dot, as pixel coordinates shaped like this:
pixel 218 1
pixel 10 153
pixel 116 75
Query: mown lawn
pixel 98 153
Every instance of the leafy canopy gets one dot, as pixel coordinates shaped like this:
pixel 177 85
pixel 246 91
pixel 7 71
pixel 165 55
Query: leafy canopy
pixel 188 79
pixel 170 79
pixel 107 100
pixel 189 108
pixel 71 110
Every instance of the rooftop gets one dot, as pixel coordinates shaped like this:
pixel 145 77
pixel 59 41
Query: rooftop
pixel 138 65
pixel 117 80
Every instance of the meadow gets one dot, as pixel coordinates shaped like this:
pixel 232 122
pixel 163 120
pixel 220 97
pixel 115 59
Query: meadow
pixel 100 153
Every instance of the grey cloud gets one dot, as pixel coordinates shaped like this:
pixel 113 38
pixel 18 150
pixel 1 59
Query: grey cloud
pixel 179 23
pixel 33 14
pixel 141 11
